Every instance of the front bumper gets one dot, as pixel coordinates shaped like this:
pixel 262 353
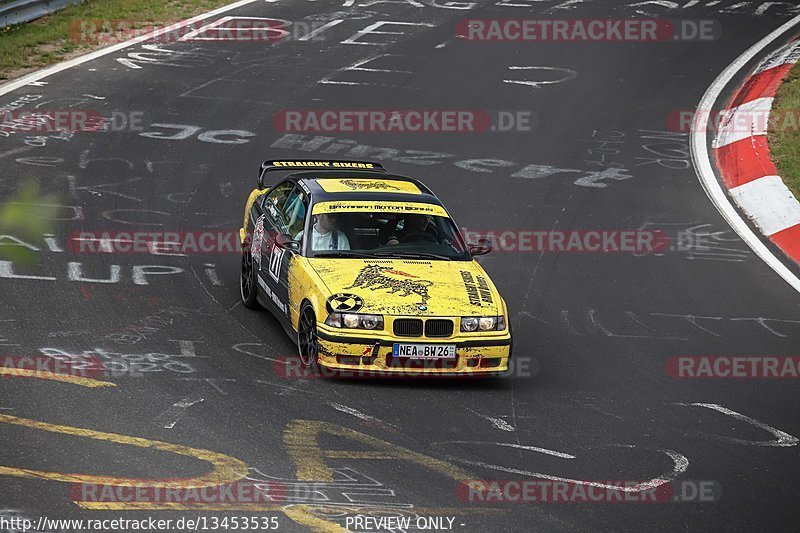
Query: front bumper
pixel 475 356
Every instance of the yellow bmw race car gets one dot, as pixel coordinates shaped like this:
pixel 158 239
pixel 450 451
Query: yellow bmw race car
pixel 367 273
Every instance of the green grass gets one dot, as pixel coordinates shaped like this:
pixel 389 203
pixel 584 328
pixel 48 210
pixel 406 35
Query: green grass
pixel 45 41
pixel 784 135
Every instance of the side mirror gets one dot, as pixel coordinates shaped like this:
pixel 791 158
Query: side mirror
pixel 482 247
pixel 285 241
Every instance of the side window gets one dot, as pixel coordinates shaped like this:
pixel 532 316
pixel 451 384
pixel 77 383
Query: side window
pixel 295 211
pixel 274 202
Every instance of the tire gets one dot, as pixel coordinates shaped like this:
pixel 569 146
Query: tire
pixel 248 283
pixel 307 338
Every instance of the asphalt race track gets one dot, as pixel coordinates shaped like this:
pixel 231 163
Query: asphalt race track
pixel 589 398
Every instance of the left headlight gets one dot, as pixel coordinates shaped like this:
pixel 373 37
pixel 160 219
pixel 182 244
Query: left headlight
pixel 355 321
pixel 483 323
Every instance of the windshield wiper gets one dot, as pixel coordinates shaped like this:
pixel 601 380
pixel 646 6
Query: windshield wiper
pixel 342 253
pixel 412 255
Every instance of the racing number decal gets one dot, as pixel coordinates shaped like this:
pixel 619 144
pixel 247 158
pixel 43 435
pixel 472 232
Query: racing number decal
pixel 275 261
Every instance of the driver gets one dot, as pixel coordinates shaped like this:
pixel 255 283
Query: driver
pixel 325 234
pixel 414 229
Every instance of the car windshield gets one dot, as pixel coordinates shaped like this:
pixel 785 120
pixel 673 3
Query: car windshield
pixel 385 234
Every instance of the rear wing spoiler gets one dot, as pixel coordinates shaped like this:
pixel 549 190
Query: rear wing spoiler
pixel 284 164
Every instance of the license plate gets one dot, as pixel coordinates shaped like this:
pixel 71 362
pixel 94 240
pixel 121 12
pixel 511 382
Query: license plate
pixel 424 351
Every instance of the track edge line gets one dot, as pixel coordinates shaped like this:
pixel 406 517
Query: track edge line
pixel 64 65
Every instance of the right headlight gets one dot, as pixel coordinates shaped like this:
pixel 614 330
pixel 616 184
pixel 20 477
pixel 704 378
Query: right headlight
pixel 483 323
pixel 355 321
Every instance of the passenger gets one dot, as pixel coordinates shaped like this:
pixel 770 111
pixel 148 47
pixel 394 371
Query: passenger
pixel 325 234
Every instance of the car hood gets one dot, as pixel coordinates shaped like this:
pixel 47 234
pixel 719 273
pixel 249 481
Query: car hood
pixel 406 287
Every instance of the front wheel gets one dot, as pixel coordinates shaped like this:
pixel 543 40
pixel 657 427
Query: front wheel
pixel 307 339
pixel 249 284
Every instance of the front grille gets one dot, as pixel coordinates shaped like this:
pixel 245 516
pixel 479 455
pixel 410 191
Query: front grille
pixel 408 327
pixel 437 327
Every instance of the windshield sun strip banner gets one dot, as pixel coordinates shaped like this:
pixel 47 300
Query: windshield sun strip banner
pixel 379 207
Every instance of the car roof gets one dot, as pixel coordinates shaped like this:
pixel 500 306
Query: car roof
pixel 322 186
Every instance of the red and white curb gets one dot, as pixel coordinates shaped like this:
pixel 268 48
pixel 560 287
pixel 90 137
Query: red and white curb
pixel 742 154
